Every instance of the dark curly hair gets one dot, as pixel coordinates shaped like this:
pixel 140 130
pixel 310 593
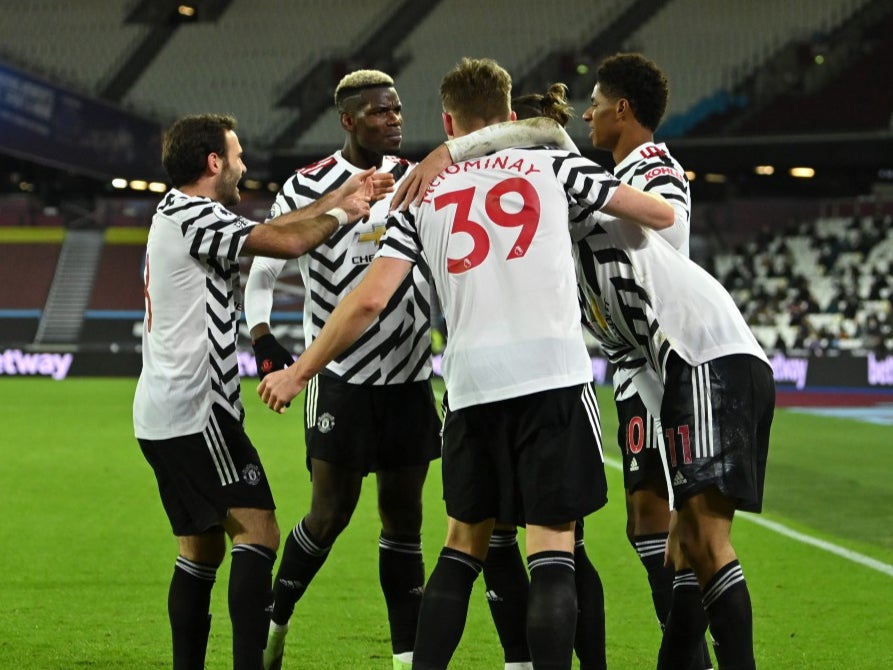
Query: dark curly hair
pixel 640 81
pixel 188 143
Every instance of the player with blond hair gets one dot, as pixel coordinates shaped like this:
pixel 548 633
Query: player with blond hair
pixel 372 409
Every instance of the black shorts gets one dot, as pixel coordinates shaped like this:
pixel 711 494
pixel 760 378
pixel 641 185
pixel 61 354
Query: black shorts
pixel 370 428
pixel 718 415
pixel 640 443
pixel 536 459
pixel 202 476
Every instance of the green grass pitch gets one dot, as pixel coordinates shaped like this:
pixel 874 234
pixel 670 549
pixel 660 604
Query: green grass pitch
pixel 88 552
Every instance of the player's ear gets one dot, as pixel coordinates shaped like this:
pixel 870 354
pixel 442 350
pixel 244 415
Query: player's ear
pixel 447 124
pixel 347 122
pixel 214 163
pixel 622 107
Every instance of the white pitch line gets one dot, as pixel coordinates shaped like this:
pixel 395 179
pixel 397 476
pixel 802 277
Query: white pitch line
pixel 781 529
pixel 830 547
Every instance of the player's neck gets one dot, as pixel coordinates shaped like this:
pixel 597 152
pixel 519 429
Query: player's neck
pixel 627 143
pixel 359 157
pixel 203 188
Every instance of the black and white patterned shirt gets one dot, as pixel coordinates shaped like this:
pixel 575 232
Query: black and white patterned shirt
pixel 396 348
pixel 193 305
pixel 651 168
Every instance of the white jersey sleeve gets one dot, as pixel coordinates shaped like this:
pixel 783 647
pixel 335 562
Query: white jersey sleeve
pixel 259 289
pixel 651 168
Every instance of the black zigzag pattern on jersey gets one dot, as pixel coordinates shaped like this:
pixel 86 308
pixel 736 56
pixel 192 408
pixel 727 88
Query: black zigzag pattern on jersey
pixel 318 175
pixel 222 336
pixel 667 185
pixel 400 170
pixel 659 184
pixel 326 290
pixel 387 351
pixel 632 301
pixel 631 296
pixel 582 171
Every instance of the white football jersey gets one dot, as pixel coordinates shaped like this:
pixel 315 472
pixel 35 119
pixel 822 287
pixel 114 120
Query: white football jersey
pixel 494 232
pixel 642 298
pixel 396 348
pixel 193 305
pixel 650 167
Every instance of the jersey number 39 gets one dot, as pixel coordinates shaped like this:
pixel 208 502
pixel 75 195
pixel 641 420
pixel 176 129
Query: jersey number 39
pixel 526 218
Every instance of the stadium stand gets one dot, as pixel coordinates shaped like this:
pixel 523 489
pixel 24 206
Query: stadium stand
pixel 264 46
pixel 819 287
pixel 28 260
pixel 723 54
pixel 87 45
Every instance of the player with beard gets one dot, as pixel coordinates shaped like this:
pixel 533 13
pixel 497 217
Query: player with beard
pixel 187 411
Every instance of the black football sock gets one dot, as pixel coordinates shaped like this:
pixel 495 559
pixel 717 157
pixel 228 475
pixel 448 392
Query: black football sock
pixel 682 645
pixel 250 602
pixel 302 558
pixel 444 609
pixel 650 549
pixel 188 602
pixel 552 610
pixel 506 578
pixel 727 603
pixel 401 571
pixel 589 642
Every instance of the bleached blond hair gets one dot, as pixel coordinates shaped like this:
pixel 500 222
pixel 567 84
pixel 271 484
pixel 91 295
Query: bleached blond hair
pixel 357 81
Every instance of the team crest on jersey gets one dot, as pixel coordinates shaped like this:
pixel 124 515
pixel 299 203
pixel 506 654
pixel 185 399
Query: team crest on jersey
pixel 325 422
pixel 251 474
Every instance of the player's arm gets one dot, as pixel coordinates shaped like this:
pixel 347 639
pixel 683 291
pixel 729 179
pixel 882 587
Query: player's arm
pixel 506 135
pixel 348 321
pixel 646 209
pixel 269 354
pixel 591 188
pixel 295 233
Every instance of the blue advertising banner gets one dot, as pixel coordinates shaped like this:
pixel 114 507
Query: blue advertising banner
pixel 44 123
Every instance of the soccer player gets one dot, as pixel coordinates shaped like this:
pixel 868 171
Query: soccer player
pixel 696 365
pixel 187 412
pixel 372 409
pixel 521 434
pixel 504 573
pixel 627 105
